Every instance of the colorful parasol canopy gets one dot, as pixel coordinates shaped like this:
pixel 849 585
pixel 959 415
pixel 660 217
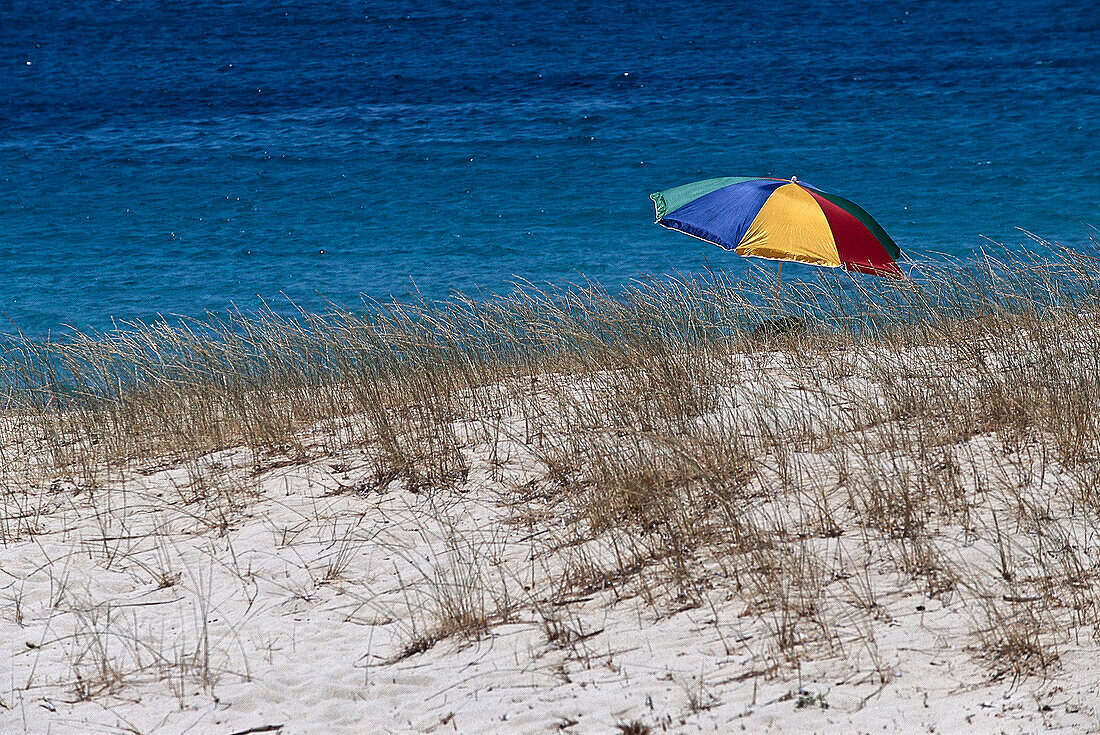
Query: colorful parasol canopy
pixel 779 219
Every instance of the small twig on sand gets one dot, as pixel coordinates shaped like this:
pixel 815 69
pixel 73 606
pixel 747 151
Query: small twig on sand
pixel 261 728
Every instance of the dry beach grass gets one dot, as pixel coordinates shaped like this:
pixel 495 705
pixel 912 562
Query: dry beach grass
pixel 568 511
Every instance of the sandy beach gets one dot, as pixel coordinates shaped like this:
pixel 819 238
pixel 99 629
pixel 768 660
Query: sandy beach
pixel 820 534
pixel 549 368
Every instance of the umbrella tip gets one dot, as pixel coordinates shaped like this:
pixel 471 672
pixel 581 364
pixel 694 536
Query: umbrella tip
pixel 794 179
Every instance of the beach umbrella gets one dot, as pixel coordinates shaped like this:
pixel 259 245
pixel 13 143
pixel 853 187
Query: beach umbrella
pixel 779 219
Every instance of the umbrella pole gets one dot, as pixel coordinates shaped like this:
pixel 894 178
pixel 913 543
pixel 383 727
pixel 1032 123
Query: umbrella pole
pixel 778 280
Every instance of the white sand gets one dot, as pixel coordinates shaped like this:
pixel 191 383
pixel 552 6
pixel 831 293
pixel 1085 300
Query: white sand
pixel 123 612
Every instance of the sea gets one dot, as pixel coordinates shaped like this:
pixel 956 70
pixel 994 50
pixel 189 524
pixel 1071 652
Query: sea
pixel 164 159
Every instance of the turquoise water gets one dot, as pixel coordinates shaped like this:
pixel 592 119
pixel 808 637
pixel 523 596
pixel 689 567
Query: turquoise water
pixel 172 158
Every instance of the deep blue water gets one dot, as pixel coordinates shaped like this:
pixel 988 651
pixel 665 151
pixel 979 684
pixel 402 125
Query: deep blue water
pixel 174 157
